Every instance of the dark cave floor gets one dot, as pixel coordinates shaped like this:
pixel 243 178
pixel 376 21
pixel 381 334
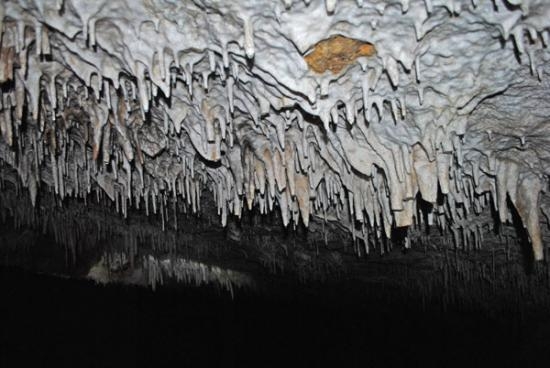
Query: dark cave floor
pixel 64 322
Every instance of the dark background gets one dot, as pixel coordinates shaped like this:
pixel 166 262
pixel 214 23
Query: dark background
pixel 52 321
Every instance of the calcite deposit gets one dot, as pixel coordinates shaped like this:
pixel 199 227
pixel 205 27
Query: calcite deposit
pixel 374 115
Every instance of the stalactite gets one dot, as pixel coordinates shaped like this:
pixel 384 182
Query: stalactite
pixel 352 133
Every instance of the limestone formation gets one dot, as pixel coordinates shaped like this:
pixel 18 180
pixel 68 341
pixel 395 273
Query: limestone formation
pixel 374 114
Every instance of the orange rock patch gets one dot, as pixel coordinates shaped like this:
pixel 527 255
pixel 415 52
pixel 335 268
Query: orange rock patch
pixel 336 53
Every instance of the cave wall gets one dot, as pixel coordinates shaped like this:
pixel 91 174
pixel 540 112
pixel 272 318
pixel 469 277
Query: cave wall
pixel 372 116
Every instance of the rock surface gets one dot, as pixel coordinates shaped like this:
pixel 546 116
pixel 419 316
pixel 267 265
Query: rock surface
pixel 374 116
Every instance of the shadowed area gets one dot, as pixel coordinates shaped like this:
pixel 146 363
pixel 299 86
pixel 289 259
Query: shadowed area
pixel 67 321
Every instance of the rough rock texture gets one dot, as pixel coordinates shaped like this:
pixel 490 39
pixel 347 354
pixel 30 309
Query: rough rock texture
pixel 376 115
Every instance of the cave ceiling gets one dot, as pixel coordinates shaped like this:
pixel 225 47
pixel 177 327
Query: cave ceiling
pixel 367 119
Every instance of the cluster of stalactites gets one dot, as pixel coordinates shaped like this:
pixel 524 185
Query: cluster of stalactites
pixel 114 267
pixel 193 273
pixel 159 124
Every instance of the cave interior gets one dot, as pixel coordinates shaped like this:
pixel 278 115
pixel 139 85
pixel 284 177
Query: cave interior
pixel 275 182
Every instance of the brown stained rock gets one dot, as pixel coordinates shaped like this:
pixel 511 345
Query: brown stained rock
pixel 6 63
pixel 336 53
